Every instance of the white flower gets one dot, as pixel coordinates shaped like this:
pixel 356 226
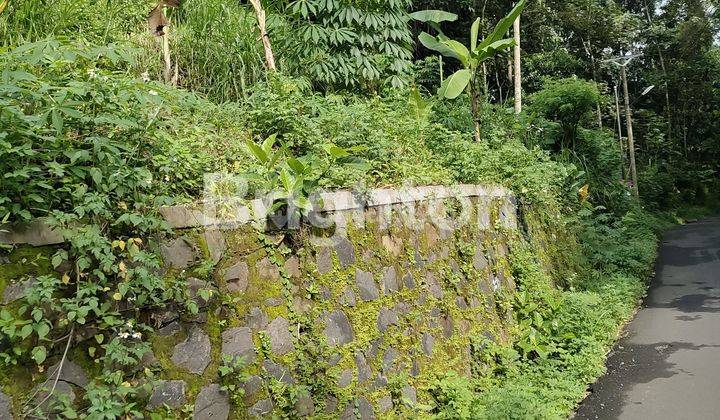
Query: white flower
pixel 129 324
pixel 91 72
pixel 167 178
pixel 145 76
pixel 123 335
pixel 137 335
pixel 153 93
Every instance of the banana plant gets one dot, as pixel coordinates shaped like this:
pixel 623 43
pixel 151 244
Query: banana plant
pixel 465 79
pixel 291 180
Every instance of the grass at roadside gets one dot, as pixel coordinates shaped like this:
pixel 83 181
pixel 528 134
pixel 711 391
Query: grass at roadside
pixel 562 336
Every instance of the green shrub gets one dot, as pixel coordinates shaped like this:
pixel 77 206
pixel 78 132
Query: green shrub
pixel 99 22
pixel 363 44
pixel 567 101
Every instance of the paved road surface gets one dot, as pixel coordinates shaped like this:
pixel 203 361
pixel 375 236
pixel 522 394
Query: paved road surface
pixel 668 366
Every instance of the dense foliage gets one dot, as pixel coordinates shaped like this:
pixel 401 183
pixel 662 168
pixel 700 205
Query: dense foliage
pixel 92 142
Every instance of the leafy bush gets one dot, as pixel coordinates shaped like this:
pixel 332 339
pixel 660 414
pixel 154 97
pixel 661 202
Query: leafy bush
pixel 99 22
pixel 562 337
pixel 349 44
pixel 567 101
pixel 92 149
pixel 215 45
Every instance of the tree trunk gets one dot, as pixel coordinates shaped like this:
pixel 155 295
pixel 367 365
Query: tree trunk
pixel 260 13
pixel 167 67
pixel 518 70
pixel 631 140
pixel 475 104
pixel 620 137
pixel 593 64
pixel 668 110
pixel 486 86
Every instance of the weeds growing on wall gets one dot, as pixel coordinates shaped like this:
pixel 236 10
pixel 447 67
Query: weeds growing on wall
pixel 85 141
pixel 561 336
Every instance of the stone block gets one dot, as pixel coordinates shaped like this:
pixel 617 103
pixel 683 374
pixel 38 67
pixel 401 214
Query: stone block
pixel 338 329
pixel 292 267
pixel 262 408
pixel 348 298
pixel 386 317
pixel 433 286
pixel 389 281
pixel 212 403
pixel 364 369
pixel 385 404
pixel 256 319
pixel 409 395
pixel 178 254
pixel 345 251
pixel 359 409
pixel 193 354
pixel 71 373
pixel 238 342
pixel 367 286
pixel 279 372
pixel 267 270
pixel 16 291
pixel 428 344
pixel 346 378
pixel 47 398
pixel 215 243
pixel 252 386
pixel 304 406
pixel 167 393
pixel 281 341
pixel 5 407
pixel 324 260
pixel 236 277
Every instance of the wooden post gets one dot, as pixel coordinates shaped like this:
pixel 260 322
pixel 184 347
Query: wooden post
pixel 620 136
pixel 518 75
pixel 167 68
pixel 631 140
pixel 260 13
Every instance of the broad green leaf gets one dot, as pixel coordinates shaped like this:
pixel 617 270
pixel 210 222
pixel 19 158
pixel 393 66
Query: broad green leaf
pixel 25 331
pixel 39 354
pixel 417 105
pixel 296 165
pixel 335 151
pixel 460 50
pixel 258 152
pixel 432 43
pixel 269 143
pixel 287 180
pixel 502 27
pixel 454 85
pixel 43 330
pixel 436 16
pixel 474 33
pixel 491 49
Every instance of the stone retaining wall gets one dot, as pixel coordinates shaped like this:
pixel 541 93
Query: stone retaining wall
pixel 356 319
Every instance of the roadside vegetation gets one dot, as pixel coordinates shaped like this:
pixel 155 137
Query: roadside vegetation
pixel 95 137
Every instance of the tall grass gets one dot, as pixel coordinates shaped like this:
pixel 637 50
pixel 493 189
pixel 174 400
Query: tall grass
pixel 98 21
pixel 217 48
pixel 214 43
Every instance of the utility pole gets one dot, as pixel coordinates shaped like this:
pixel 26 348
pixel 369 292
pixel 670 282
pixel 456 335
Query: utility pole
pixel 619 130
pixel 518 74
pixel 623 62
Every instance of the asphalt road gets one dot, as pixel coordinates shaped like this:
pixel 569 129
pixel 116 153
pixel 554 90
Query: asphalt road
pixel 668 365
